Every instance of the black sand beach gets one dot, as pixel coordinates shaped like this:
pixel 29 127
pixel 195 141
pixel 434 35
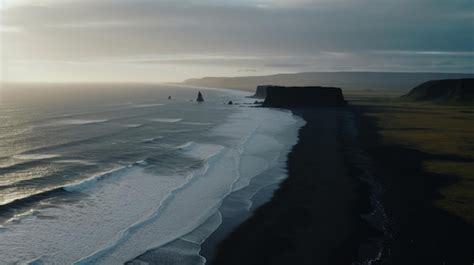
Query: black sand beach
pixel 321 212
pixel 315 216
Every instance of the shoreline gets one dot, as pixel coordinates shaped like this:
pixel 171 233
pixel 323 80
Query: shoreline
pixel 316 214
pixel 378 210
pixel 278 131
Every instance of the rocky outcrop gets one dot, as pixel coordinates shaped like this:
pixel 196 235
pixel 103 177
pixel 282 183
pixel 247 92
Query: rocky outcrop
pixel 281 97
pixel 261 92
pixel 454 91
pixel 200 97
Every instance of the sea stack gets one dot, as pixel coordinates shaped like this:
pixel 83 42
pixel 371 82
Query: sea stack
pixel 200 98
pixel 293 97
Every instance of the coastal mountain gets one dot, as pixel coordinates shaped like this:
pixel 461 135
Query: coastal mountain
pixel 279 96
pixel 453 91
pixel 388 81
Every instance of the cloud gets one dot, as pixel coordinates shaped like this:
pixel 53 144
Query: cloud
pixel 280 35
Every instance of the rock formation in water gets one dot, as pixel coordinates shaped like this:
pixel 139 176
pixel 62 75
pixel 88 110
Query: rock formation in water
pixel 261 92
pixel 199 97
pixel 280 97
pixel 454 91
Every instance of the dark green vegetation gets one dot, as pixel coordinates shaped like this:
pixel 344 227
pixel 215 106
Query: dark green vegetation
pixel 424 156
pixel 450 91
pixel 445 134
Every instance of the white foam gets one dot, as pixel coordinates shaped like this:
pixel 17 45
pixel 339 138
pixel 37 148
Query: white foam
pixel 19 216
pixel 35 156
pixel 80 185
pixel 200 151
pixel 200 199
pixel 151 140
pixel 75 230
pixel 75 161
pixel 146 105
pixel 132 125
pixel 185 145
pixel 167 120
pixel 198 123
pixel 79 121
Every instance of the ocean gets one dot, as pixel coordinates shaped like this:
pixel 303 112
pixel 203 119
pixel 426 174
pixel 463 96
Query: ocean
pixel 101 174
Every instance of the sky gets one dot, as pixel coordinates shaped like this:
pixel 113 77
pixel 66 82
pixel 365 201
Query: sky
pixel 172 40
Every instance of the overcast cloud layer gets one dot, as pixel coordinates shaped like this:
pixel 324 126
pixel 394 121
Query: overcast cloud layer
pixel 144 40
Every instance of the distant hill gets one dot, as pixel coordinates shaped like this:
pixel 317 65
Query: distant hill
pixel 455 91
pixel 344 80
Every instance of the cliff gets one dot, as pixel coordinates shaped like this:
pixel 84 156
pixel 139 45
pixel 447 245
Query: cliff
pixel 261 92
pixel 454 91
pixel 279 96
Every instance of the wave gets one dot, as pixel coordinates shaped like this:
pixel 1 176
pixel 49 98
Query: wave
pixel 124 234
pixel 197 123
pixel 244 154
pixel 175 198
pixel 46 119
pixel 85 183
pixel 146 105
pixel 15 166
pixel 177 131
pixel 200 151
pixel 75 161
pixel 14 132
pixel 70 187
pixel 231 159
pixel 167 120
pixel 36 156
pixel 152 140
pixel 22 202
pixel 36 261
pixel 79 121
pixel 45 149
pixel 133 125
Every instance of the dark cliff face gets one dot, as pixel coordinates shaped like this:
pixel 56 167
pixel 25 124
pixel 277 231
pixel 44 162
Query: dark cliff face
pixel 280 97
pixel 444 91
pixel 261 92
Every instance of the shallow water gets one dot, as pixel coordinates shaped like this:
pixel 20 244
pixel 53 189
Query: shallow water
pixel 104 174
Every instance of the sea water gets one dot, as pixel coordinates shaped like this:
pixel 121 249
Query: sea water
pixel 101 174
